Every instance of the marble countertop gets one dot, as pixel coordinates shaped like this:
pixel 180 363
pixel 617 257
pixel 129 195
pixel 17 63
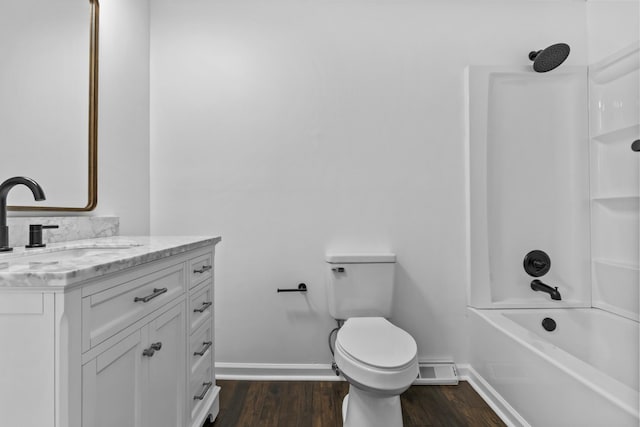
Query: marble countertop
pixel 64 264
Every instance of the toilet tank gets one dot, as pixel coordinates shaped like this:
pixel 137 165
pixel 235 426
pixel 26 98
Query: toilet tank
pixel 360 285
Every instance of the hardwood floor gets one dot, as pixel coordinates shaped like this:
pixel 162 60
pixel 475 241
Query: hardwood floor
pixel 318 404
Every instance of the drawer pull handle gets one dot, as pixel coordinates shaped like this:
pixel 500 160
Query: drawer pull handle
pixel 205 347
pixel 207 386
pixel 156 346
pixel 203 269
pixel 203 307
pixel 156 292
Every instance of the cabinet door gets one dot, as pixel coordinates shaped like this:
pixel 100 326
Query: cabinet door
pixel 26 359
pixel 112 384
pixel 164 399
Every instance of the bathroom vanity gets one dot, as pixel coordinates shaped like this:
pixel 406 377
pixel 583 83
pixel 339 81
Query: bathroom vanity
pixel 108 332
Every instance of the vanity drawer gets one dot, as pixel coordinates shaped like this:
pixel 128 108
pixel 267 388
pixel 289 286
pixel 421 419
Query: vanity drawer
pixel 200 268
pixel 110 311
pixel 201 388
pixel 201 305
pixel 201 349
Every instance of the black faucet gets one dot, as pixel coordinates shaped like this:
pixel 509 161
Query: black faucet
pixel 35 235
pixel 5 187
pixel 537 285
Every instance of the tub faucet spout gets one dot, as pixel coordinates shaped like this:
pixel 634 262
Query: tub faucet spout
pixel 537 285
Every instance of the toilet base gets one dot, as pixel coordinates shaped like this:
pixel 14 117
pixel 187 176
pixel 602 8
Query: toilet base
pixel 366 409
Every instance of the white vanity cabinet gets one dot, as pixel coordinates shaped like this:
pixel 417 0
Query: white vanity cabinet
pixel 110 379
pixel 130 348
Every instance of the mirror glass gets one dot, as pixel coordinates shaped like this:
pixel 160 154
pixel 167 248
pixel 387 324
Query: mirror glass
pixel 45 52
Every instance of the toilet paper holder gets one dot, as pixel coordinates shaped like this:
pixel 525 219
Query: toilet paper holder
pixel 301 288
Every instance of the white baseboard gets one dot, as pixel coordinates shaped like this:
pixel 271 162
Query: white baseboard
pixel 500 406
pixel 275 372
pixel 285 372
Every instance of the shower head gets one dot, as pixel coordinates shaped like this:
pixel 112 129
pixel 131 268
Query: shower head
pixel 549 58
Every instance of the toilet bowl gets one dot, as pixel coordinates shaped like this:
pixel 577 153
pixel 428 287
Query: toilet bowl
pixel 379 360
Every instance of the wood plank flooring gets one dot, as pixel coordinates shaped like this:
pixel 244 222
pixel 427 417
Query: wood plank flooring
pixel 318 404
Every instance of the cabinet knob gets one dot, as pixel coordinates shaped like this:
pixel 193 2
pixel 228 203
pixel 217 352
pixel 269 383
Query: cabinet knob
pixel 149 352
pixel 635 145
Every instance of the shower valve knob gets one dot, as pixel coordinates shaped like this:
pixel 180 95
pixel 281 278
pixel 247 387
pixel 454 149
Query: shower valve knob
pixel 537 263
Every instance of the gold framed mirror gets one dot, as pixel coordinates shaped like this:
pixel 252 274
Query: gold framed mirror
pixel 76 203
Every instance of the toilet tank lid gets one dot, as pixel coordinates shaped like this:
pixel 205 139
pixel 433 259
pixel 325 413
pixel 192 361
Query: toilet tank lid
pixel 360 258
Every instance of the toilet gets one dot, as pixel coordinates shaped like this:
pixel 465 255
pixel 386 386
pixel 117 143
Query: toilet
pixel 377 358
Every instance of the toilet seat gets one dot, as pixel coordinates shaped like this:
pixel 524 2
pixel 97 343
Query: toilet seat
pixel 376 355
pixel 376 342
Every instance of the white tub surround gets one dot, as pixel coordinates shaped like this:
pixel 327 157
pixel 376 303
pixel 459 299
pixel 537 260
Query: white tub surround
pixel 528 184
pixel 584 373
pixel 109 331
pixel 550 167
pixel 614 87
pixel 70 228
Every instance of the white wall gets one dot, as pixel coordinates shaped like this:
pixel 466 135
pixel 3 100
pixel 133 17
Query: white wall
pixel 296 128
pixel 123 124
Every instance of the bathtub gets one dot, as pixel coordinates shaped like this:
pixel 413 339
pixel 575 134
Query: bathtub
pixel 584 373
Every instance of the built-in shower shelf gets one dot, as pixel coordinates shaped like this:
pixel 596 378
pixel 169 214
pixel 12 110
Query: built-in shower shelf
pixel 618 199
pixel 622 202
pixel 615 287
pixel 615 66
pixel 615 228
pixel 616 264
pixel 624 134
